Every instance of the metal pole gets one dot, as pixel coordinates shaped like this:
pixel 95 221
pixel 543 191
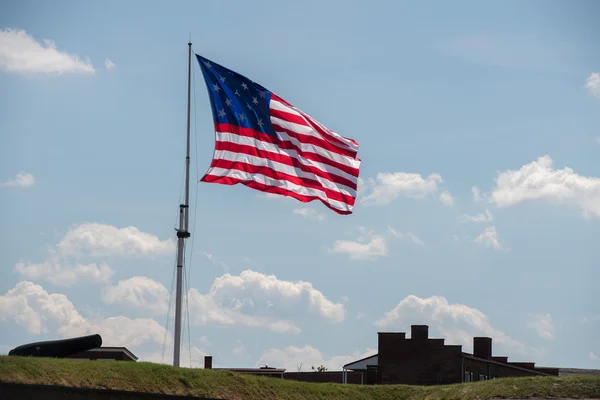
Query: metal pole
pixel 182 232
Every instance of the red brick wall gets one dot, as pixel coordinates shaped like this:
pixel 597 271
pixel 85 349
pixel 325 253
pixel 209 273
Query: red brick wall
pixel 418 362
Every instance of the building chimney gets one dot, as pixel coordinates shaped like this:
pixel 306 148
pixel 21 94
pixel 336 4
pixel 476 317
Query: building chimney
pixel 482 347
pixel 419 332
pixel 207 362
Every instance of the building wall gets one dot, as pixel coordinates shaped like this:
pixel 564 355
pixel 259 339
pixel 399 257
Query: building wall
pixel 418 361
pixel 325 377
pixel 424 361
pixel 484 370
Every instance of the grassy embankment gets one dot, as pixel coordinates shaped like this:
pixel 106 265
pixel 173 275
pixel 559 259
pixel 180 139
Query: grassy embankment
pixel 148 377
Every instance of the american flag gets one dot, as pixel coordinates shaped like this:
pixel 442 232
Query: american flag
pixel 265 143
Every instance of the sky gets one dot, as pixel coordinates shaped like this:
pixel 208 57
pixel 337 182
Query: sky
pixel 477 210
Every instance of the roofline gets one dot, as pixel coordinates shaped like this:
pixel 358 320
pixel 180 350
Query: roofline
pixel 467 355
pixel 107 349
pixel 362 359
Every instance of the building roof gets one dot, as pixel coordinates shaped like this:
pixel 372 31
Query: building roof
pixel 362 363
pixel 111 350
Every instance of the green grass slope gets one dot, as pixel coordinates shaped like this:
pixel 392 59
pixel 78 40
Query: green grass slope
pixel 155 378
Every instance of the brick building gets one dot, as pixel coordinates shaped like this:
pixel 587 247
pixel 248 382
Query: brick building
pixel 421 360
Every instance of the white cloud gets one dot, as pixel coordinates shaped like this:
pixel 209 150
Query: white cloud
pixel 538 180
pixel 139 292
pixel 53 271
pixel 109 64
pixel 485 217
pixel 388 186
pixel 250 299
pixel 310 214
pixel 413 238
pixel 490 238
pixel 542 323
pixel 476 194
pixel 291 357
pixel 38 311
pixel 21 53
pixel 592 83
pixel 23 179
pixel 368 246
pixel 63 267
pixel 593 356
pixel 457 323
pixel 101 240
pixel 41 313
pixel 446 198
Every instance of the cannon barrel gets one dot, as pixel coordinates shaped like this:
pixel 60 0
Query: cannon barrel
pixel 58 348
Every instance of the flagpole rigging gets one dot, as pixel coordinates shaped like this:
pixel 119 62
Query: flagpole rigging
pixel 183 231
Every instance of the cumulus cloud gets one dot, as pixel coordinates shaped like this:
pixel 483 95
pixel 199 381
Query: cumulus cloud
pixel 54 272
pixel 102 240
pixel 386 187
pixel 42 313
pixel 294 358
pixel 485 217
pixel 250 299
pixel 309 213
pixel 368 246
pixel 592 83
pixel 22 180
pixel 538 180
pixel 139 292
pixel 457 323
pixel 542 323
pixel 63 266
pixel 21 53
pixel 446 198
pixel 593 356
pixel 490 238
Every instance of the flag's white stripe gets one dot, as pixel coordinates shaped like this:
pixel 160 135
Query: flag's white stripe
pixel 280 183
pixel 310 147
pixel 265 146
pixel 284 168
pixel 277 105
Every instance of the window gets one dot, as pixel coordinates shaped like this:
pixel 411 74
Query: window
pixel 468 376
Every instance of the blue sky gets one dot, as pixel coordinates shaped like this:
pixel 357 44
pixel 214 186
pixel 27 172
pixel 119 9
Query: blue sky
pixel 477 213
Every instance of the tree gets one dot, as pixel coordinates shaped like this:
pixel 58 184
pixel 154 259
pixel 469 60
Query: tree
pixel 321 368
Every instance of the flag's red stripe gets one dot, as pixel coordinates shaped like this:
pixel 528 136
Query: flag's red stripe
pixel 287 145
pixel 308 139
pixel 308 119
pixel 287 160
pixel 225 180
pixel 275 174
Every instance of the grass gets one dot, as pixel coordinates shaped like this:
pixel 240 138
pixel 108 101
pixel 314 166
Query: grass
pixel 156 378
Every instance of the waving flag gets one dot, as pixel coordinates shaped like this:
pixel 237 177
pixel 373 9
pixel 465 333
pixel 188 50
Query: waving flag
pixel 267 144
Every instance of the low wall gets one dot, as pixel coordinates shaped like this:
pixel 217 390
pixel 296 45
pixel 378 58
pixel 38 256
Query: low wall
pixel 323 377
pixel 16 391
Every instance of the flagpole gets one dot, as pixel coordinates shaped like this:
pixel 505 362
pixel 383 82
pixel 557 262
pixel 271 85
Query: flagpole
pixel 183 232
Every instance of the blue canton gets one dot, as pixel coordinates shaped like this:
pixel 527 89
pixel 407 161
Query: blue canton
pixel 235 99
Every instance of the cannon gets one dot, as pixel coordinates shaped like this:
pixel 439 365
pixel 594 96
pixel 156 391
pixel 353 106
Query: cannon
pixel 58 348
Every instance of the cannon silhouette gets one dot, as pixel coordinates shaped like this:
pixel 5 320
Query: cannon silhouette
pixel 58 348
